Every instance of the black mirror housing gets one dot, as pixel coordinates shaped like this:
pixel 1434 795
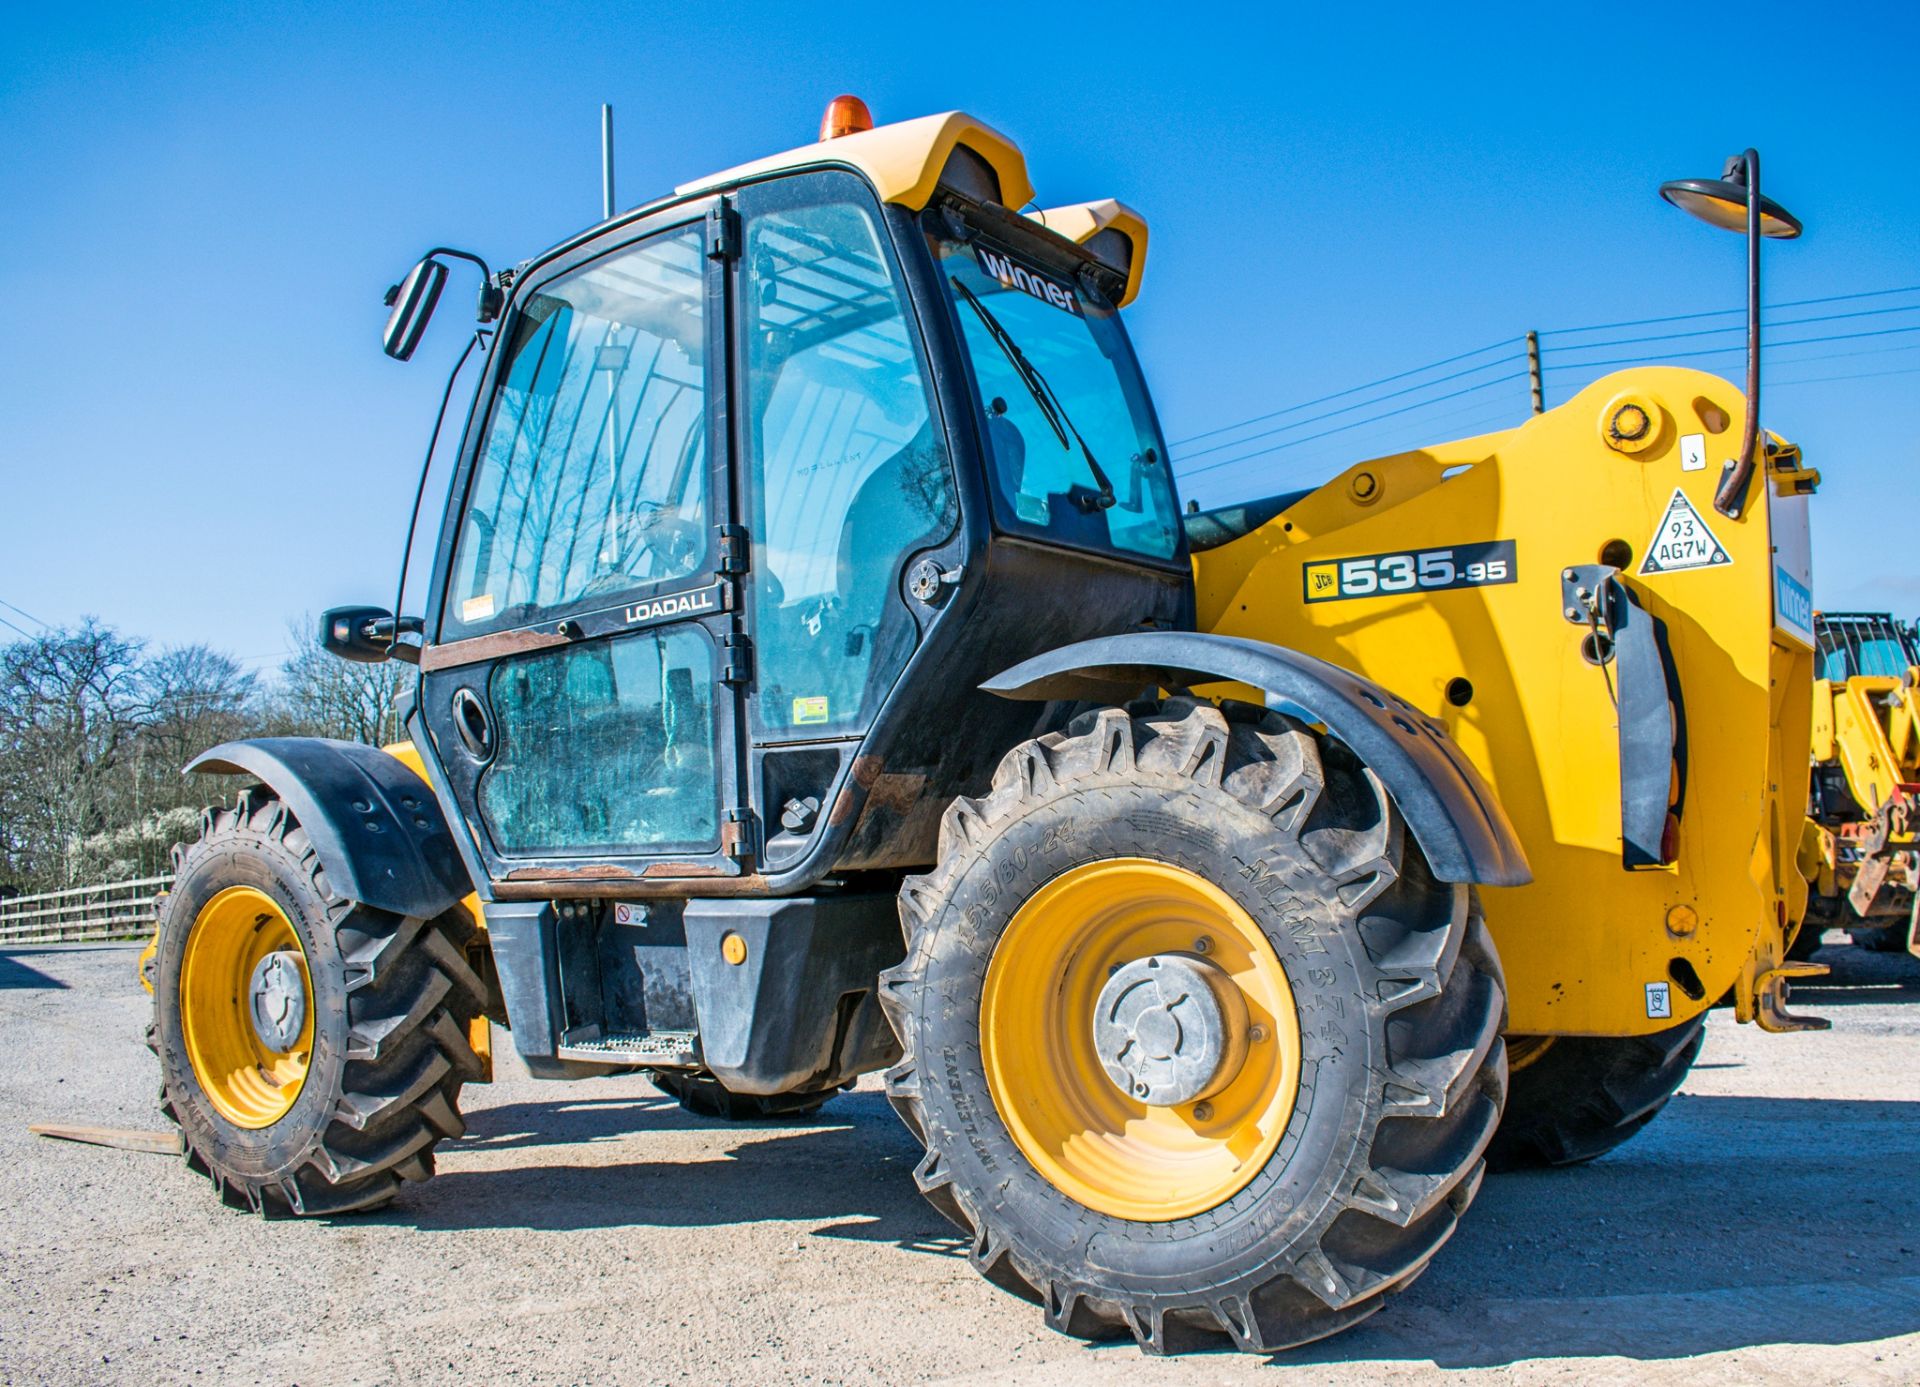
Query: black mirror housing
pixel 413 300
pixel 366 635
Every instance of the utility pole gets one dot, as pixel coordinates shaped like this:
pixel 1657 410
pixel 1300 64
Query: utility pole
pixel 1533 372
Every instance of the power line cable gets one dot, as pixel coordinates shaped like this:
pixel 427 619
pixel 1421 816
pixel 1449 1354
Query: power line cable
pixel 1857 375
pixel 25 613
pixel 1723 351
pixel 1551 366
pixel 1737 327
pixel 1725 312
pixel 1342 394
pixel 1838 356
pixel 1344 428
pixel 11 627
pixel 1348 409
pixel 1397 439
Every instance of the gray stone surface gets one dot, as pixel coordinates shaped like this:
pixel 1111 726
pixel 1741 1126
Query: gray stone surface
pixel 1762 1228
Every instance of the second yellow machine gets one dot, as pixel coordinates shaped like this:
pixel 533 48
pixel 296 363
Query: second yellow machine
pixel 818 675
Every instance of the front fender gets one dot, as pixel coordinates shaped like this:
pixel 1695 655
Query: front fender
pixel 376 827
pixel 1447 804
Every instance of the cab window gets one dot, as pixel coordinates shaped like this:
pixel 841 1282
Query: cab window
pixel 591 481
pixel 847 466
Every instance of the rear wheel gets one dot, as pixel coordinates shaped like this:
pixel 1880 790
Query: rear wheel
pixel 707 1096
pixel 1880 939
pixel 1196 1044
pixel 312 1049
pixel 1572 1098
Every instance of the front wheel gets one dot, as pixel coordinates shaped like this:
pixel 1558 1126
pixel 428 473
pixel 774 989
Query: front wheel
pixel 312 1049
pixel 1195 1042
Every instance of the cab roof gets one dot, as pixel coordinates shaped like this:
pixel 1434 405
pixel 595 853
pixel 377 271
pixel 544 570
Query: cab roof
pixel 904 162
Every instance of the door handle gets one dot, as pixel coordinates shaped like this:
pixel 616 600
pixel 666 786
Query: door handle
pixel 470 720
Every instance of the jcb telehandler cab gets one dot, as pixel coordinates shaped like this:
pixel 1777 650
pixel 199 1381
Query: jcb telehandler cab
pixel 1861 849
pixel 815 679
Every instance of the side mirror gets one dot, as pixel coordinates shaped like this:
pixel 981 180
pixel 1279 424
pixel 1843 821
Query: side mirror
pixel 367 635
pixel 413 300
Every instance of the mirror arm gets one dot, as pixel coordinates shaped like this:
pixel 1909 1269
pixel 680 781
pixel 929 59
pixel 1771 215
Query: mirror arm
pixel 414 623
pixel 492 297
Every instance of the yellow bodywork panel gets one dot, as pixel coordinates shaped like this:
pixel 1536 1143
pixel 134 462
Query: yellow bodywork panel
pixel 1590 947
pixel 903 160
pixel 1870 724
pixel 1081 222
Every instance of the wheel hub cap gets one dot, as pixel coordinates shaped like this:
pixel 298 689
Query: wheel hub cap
pixel 277 1001
pixel 1170 1029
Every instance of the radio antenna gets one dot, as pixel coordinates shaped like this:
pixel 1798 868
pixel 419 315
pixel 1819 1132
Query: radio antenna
pixel 606 162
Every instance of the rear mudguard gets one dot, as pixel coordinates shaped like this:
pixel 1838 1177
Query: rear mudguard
pixel 377 830
pixel 1449 807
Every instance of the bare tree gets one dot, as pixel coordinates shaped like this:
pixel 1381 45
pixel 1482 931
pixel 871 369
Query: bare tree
pixel 95 730
pixel 69 703
pixel 321 695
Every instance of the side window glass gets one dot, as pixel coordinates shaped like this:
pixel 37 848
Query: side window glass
pixel 632 720
pixel 848 467
pixel 591 481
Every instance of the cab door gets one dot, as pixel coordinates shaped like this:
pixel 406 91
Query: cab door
pixel 582 686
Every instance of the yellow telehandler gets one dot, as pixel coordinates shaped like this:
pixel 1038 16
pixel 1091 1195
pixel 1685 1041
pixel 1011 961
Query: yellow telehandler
pixel 1859 847
pixel 818 675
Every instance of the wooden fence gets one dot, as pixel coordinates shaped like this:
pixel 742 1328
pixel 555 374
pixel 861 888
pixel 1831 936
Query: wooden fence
pixel 120 910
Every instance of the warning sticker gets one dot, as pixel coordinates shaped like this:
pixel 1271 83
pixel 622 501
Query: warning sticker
pixel 812 709
pixel 1693 452
pixel 1659 1001
pixel 1683 541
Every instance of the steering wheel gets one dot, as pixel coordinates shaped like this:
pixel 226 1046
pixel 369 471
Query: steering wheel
pixel 650 531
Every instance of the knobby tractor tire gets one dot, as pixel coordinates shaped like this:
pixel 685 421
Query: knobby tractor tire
pixel 707 1096
pixel 392 998
pixel 1572 1098
pixel 1393 977
pixel 1879 939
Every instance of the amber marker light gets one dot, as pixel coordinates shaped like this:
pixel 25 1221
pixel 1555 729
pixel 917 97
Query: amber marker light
pixel 846 115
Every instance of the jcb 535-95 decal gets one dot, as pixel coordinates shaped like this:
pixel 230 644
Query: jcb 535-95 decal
pixel 1415 570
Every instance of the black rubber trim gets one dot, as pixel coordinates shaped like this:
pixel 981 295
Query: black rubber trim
pixel 1451 809
pixel 375 824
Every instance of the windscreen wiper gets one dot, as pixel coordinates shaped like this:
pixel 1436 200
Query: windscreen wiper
pixel 1049 404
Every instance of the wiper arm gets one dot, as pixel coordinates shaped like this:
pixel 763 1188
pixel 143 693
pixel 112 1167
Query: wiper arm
pixel 1049 404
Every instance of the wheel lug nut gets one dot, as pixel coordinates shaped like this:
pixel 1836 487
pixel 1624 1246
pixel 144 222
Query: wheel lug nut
pixel 1202 1111
pixel 1256 1033
pixel 1203 945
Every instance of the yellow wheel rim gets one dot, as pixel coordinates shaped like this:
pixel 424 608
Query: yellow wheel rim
pixel 1523 1050
pixel 249 1083
pixel 1090 1139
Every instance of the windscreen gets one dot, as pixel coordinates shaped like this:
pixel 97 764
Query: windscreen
pixel 1075 454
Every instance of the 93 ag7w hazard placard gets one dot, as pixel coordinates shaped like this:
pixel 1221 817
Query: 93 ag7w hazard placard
pixel 1413 570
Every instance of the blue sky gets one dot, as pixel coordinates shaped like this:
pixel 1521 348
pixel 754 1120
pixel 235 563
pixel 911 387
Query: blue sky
pixel 202 206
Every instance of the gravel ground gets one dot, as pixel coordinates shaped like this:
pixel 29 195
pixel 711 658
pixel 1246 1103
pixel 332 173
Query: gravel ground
pixel 1762 1228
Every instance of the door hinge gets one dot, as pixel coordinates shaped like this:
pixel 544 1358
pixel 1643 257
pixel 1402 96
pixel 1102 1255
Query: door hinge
pixel 734 550
pixel 737 834
pixel 723 231
pixel 736 658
